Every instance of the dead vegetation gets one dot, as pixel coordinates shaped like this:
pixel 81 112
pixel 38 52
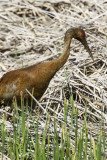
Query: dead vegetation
pixel 32 31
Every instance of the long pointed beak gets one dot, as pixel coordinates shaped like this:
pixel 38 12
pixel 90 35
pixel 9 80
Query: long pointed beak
pixel 84 42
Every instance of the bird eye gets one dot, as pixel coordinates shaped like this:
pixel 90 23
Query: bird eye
pixel 82 33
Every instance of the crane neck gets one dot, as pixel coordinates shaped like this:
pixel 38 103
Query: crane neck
pixel 61 60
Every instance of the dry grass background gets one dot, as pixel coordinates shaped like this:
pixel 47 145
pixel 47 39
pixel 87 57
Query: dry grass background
pixel 32 31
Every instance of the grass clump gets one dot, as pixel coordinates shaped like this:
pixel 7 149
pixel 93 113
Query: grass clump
pixel 28 141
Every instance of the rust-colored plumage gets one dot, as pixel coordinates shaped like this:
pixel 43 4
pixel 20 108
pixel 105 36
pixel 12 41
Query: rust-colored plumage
pixel 38 76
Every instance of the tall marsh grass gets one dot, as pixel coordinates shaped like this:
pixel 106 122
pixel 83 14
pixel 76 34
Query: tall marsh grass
pixel 26 141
